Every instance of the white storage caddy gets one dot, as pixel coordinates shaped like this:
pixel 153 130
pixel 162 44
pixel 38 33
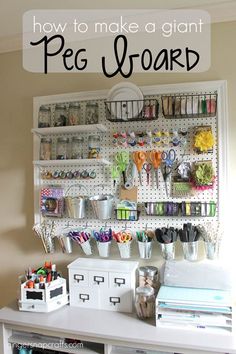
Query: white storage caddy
pixel 102 284
pixel 53 297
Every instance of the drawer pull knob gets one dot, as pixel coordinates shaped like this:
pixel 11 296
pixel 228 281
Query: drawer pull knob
pixel 119 281
pixel 78 277
pixel 115 300
pixel 98 280
pixel 84 297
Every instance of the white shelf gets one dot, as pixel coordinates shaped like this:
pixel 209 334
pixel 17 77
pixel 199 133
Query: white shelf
pixel 55 345
pixel 72 129
pixel 92 162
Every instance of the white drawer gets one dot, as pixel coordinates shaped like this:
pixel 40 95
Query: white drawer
pixel 115 300
pixel 98 279
pixel 119 280
pixel 85 297
pixel 79 277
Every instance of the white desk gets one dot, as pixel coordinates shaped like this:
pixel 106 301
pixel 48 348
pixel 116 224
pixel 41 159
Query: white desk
pixel 112 329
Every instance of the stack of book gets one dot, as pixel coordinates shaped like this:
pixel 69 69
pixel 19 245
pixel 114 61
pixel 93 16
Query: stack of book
pixel 199 308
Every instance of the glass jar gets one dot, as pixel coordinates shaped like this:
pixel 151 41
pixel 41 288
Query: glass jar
pixel 60 115
pixel 44 118
pixel 94 146
pixel 74 115
pixel 46 149
pixel 145 302
pixel 148 277
pixel 91 113
pixel 77 147
pixel 63 148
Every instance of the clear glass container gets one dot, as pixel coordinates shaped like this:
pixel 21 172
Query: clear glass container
pixel 74 115
pixel 60 115
pixel 46 149
pixel 94 146
pixel 145 302
pixel 44 118
pixel 91 113
pixel 77 147
pixel 63 145
pixel 148 277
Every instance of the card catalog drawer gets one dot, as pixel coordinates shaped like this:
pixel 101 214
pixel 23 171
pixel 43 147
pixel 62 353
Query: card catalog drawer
pixel 79 277
pixel 114 300
pixel 98 279
pixel 119 280
pixel 85 297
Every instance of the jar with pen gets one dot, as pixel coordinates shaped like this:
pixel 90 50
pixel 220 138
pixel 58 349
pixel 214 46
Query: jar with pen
pixel 123 239
pixel 145 238
pixel 103 238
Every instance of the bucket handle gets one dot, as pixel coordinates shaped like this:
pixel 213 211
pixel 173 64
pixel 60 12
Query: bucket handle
pixel 76 185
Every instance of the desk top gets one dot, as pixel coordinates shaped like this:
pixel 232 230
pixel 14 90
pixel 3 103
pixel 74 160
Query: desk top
pixel 121 328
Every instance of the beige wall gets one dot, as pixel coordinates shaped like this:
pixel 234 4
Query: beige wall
pixel 18 246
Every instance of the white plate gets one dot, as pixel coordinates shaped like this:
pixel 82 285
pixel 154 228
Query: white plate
pixel 123 101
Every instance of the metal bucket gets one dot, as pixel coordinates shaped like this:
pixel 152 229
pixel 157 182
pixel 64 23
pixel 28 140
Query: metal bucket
pixel 211 249
pixel 145 249
pixel 102 206
pixel 76 206
pixel 104 248
pixel 190 250
pixel 168 250
pixel 125 249
pixel 65 243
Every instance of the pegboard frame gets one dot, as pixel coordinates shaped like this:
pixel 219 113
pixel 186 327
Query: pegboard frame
pixel 222 142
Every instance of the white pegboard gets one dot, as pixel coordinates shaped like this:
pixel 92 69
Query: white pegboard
pixel 103 182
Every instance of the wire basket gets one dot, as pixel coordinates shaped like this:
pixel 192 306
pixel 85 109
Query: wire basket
pixel 132 110
pixel 189 106
pixel 127 214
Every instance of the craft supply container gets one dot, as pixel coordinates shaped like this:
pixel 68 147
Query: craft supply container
pixel 94 146
pixel 44 117
pixel 77 147
pixel 211 249
pixel 145 249
pixel 46 149
pixel 74 114
pixel 124 249
pixel 60 115
pixel 104 248
pixel 168 250
pixel 49 299
pixel 102 206
pixel 65 243
pixel 148 277
pixel 86 247
pixel 145 302
pixel 91 113
pixel 63 145
pixel 190 250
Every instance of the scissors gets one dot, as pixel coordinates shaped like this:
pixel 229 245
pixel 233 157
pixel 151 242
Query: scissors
pixel 166 173
pixel 122 160
pixel 139 158
pixel 147 167
pixel 155 157
pixel 169 157
pixel 115 172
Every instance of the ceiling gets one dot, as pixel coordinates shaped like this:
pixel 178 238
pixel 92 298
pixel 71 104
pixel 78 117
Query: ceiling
pixel 11 12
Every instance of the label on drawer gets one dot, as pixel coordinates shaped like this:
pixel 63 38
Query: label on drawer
pixel 99 279
pixel 79 277
pixel 117 300
pixel 119 280
pixel 85 297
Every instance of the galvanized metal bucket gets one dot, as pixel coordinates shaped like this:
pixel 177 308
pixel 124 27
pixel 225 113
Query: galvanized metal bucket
pixel 102 205
pixel 76 205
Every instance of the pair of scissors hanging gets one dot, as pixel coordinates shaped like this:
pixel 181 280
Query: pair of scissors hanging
pixel 167 167
pixel 122 161
pixel 139 158
pixel 155 158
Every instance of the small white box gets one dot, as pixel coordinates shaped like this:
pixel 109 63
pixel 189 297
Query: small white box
pixel 102 284
pixel 49 299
